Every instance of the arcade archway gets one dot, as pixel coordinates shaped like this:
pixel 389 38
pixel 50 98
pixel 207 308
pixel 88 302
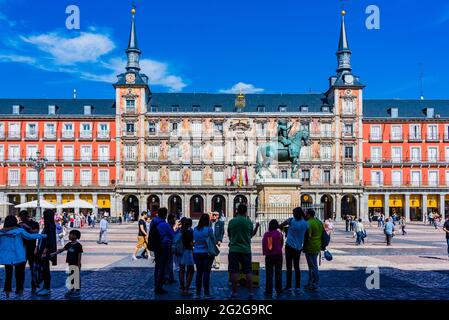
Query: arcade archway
pixel 348 206
pixel 196 206
pixel 175 205
pixel 219 204
pixel 328 206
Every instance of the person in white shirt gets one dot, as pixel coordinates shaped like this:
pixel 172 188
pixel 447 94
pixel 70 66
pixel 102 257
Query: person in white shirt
pixel 103 231
pixel 360 232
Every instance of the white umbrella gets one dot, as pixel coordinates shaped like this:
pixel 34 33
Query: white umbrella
pixel 5 203
pixel 81 204
pixel 33 204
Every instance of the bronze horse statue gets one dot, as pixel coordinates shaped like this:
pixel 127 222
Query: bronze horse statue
pixel 274 150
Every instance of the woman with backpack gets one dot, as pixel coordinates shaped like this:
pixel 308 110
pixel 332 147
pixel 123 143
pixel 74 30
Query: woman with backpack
pixel 186 262
pixel 202 235
pixel 272 244
pixel 297 228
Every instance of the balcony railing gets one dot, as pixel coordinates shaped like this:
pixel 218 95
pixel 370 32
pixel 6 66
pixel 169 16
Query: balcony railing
pixel 103 135
pixel 407 160
pixel 396 137
pixel 432 138
pixel 415 138
pixel 73 183
pixel 85 135
pixel 2 134
pixel 15 135
pixel 50 135
pixel 56 159
pixel 31 135
pixel 407 183
pixel 68 135
pixel 375 138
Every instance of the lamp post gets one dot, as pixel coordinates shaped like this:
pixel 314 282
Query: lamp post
pixel 39 164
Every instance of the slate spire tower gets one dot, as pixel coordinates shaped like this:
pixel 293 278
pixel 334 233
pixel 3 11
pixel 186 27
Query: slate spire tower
pixel 133 52
pixel 343 53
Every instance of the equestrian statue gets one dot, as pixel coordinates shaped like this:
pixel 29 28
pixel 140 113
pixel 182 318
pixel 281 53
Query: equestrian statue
pixel 285 149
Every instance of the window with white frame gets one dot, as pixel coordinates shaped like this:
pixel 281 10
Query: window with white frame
pixel 197 176
pixel 376 154
pixel 2 153
pixel 326 152
pixel 86 153
pixel 446 153
pixel 196 151
pixel 305 153
pixel 31 131
pixel 31 177
pixel 130 152
pixel 50 152
pixel 415 178
pixel 13 177
pixel 31 152
pixel 349 175
pixel 130 106
pixel 396 132
pixel 218 178
pixel 261 128
pixel 153 177
pixel 432 153
pixel 14 153
pixel 375 132
pixel 348 106
pixel 50 177
pixel 50 131
pixel 396 178
pixel 447 178
pixel 103 153
pixel 432 132
pixel 103 177
pixel 433 178
pixel 415 154
pixel 326 130
pixel 152 128
pixel 67 153
pixel 86 131
pixel 175 153
pixel 196 128
pixel 376 178
pixel 130 177
pixel 396 154
pixel 174 178
pixel 2 129
pixel 14 131
pixel 218 153
pixel 67 177
pixel 153 153
pixel 68 131
pixel 446 132
pixel 348 129
pixel 103 131
pixel 174 128
pixel 86 178
pixel 415 131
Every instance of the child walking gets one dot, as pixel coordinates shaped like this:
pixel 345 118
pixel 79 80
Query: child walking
pixel 74 251
pixel 272 244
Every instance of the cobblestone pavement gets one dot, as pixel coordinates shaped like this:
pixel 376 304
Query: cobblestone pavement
pixel 416 267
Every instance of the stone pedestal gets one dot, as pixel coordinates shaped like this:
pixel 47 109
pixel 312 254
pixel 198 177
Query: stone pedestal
pixel 278 192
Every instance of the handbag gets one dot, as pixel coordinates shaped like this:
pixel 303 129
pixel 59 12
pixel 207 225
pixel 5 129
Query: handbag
pixel 212 248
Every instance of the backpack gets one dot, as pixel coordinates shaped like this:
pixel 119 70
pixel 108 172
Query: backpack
pixel 154 238
pixel 325 240
pixel 177 245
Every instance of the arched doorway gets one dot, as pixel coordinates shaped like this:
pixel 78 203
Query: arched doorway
pixel 348 206
pixel 238 200
pixel 219 204
pixel 328 206
pixel 306 201
pixel 175 205
pixel 131 206
pixel 153 204
pixel 196 206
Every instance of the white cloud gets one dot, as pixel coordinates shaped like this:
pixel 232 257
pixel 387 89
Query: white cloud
pixel 86 47
pixel 5 19
pixel 242 87
pixel 88 55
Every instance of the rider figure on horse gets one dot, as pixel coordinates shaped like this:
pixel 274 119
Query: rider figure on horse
pixel 283 131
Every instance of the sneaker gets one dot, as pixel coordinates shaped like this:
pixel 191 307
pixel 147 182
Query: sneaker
pixel 134 258
pixel 44 292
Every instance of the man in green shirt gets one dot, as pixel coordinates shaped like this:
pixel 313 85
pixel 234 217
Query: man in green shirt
pixel 240 232
pixel 312 248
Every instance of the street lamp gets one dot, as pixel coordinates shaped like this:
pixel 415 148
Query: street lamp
pixel 39 164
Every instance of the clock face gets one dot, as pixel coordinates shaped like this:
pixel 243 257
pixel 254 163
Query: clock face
pixel 130 78
pixel 349 79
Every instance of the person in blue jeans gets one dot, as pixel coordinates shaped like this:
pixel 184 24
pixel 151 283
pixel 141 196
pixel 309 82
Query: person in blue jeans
pixel 446 230
pixel 203 260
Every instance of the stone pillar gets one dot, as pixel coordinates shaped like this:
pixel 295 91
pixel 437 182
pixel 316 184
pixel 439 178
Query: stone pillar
pixel 230 213
pixel 424 206
pixel 118 200
pixel 387 205
pixel 23 198
pixel 95 203
pixel 442 212
pixel 58 202
pixel 338 207
pixel 164 200
pixel 77 197
pixel 363 207
pixel 208 203
pixel 407 207
pixel 143 206
pixel 186 205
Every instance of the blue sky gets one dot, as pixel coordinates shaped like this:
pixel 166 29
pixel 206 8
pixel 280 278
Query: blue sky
pixel 285 46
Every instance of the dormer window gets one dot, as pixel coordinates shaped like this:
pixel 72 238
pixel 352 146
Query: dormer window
pixel 51 110
pixel 282 108
pixel 153 108
pixel 16 109
pixel 394 112
pixel 87 110
pixel 304 108
pixel 325 109
pixel 175 108
pixel 196 108
pixel 218 108
pixel 261 108
pixel 430 112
